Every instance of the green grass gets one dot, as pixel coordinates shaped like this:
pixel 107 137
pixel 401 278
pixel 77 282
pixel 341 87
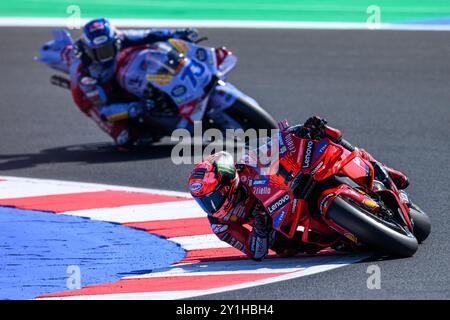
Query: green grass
pixel 287 10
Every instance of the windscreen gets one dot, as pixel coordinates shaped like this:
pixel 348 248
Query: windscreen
pixel 163 59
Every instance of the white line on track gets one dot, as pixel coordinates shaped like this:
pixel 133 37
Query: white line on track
pixel 337 263
pixel 203 241
pixel 241 24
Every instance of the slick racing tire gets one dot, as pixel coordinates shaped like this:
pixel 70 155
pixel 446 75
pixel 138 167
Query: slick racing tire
pixel 242 114
pixel 371 230
pixel 250 115
pixel 421 221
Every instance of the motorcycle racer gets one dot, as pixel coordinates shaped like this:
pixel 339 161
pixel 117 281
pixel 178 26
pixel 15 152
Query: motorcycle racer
pixel 93 84
pixel 214 183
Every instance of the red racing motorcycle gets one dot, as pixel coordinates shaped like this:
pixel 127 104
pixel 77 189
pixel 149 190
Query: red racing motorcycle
pixel 335 196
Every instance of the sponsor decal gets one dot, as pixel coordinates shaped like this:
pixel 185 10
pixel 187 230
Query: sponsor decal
pixel 317 167
pixel 179 45
pixel 158 77
pixel 219 228
pixel 178 90
pixel 262 190
pixel 226 237
pixel 370 204
pixel 195 186
pixel 283 148
pixel 239 211
pixel 308 154
pixel 290 144
pixel 135 81
pixel 279 218
pixel 321 146
pixel 351 237
pixel 294 205
pixel 279 203
pixel 239 245
pixel 258 182
pixel 201 54
pixel 100 40
pixel 227 217
pixel 96 26
pixel 323 203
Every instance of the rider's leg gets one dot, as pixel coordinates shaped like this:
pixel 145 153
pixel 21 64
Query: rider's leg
pixel 123 134
pixel 399 178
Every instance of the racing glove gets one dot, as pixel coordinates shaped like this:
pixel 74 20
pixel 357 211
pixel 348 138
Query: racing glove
pixel 140 109
pixel 188 34
pixel 316 127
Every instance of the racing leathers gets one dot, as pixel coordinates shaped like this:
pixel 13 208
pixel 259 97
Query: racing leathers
pixel 97 93
pixel 247 227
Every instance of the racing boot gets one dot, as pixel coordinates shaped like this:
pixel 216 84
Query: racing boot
pixel 285 247
pixel 400 179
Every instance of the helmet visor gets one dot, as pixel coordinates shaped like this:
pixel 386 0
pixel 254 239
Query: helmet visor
pixel 213 201
pixel 103 53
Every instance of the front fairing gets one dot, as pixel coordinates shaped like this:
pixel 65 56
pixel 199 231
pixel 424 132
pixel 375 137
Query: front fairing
pixel 57 53
pixel 184 71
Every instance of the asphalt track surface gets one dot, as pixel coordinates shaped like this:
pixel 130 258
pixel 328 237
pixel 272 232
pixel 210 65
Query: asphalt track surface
pixel 387 90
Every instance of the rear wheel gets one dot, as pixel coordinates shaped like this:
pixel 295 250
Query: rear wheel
pixel 385 236
pixel 243 114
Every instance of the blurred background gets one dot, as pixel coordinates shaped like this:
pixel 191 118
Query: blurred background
pixel 378 70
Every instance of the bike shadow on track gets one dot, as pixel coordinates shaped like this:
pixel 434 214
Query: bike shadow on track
pixel 94 153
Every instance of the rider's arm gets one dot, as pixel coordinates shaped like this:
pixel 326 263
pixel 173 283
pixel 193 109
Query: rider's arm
pixel 317 128
pixel 124 110
pixel 131 38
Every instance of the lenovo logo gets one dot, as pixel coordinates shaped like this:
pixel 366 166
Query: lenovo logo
pixel 279 203
pixel 307 154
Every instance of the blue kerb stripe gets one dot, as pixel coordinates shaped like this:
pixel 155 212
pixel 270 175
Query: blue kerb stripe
pixel 37 250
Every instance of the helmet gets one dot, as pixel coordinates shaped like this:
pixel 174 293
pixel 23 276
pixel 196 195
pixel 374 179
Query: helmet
pixel 100 41
pixel 213 184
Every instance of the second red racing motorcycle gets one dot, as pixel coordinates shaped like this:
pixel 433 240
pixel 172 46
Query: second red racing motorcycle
pixel 335 196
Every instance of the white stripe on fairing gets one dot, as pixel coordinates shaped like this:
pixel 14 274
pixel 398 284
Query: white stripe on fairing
pixel 173 295
pixel 145 212
pixel 204 241
pixel 12 188
pixel 243 24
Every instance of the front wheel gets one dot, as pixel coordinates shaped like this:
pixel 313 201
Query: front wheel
pixel 383 236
